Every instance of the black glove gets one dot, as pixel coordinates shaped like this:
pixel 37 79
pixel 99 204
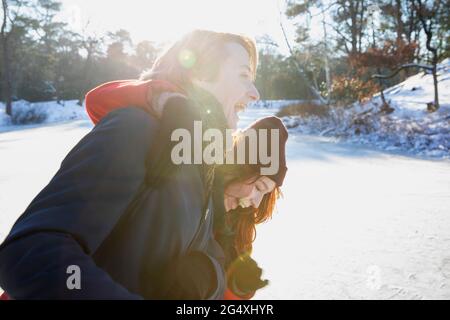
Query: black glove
pixel 191 277
pixel 245 276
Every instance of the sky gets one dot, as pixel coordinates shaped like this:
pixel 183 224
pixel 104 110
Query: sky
pixel 167 20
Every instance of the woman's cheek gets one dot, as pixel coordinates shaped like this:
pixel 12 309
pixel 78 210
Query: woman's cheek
pixel 257 199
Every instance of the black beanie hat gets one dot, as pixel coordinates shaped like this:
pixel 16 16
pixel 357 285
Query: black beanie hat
pixel 269 123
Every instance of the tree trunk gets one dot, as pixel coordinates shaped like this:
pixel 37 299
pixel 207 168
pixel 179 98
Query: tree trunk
pixel 327 67
pixel 7 81
pixel 314 90
pixel 435 81
pixel 428 29
pixel 86 82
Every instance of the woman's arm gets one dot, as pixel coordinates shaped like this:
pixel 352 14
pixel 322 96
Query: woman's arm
pixel 150 95
pixel 68 220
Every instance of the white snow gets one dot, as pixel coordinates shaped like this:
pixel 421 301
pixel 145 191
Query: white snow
pixel 409 128
pixel 355 222
pixel 45 112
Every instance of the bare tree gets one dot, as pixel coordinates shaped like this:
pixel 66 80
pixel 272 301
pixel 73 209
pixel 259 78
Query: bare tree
pixel 326 59
pixel 15 25
pixel 350 22
pixel 426 16
pixel 7 81
pixel 91 44
pixel 294 10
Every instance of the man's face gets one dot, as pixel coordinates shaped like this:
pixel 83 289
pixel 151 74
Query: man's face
pixel 234 87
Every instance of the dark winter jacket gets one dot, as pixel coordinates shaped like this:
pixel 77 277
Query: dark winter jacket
pixel 80 218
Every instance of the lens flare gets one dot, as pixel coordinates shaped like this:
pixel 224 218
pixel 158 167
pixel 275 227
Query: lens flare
pixel 187 58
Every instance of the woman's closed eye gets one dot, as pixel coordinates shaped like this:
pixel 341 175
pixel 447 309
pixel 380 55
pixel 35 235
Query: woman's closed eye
pixel 245 76
pixel 261 186
pixel 265 184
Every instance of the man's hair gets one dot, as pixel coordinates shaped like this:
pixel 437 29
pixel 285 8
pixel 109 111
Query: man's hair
pixel 198 54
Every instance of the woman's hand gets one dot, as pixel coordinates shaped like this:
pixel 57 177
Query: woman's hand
pixel 245 276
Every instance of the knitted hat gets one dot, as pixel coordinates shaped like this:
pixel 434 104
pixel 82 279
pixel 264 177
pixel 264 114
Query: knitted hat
pixel 267 123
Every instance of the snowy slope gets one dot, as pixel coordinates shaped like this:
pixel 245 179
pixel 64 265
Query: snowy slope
pixel 410 128
pixel 411 96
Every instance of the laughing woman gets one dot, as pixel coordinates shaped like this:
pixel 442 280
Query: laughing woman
pixel 249 199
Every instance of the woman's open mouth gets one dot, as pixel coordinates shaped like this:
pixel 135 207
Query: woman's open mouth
pixel 238 107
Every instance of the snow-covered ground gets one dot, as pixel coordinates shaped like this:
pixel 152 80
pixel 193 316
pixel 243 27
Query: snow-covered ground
pixel 354 222
pixel 409 128
pixel 40 113
pixel 357 224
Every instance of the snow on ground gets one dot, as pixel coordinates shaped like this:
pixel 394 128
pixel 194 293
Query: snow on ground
pixel 354 222
pixel 357 223
pixel 25 112
pixel 409 128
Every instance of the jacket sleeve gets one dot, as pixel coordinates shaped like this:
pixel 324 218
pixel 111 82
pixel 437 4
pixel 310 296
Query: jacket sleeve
pixel 68 220
pixel 116 94
pixel 215 254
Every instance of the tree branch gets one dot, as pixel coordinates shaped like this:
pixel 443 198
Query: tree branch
pixel 426 28
pixel 404 66
pixel 325 9
pixel 314 90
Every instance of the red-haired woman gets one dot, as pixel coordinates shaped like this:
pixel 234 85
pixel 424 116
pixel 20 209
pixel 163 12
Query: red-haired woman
pixel 249 199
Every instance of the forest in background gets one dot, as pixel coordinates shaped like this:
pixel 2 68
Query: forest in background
pixel 43 59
